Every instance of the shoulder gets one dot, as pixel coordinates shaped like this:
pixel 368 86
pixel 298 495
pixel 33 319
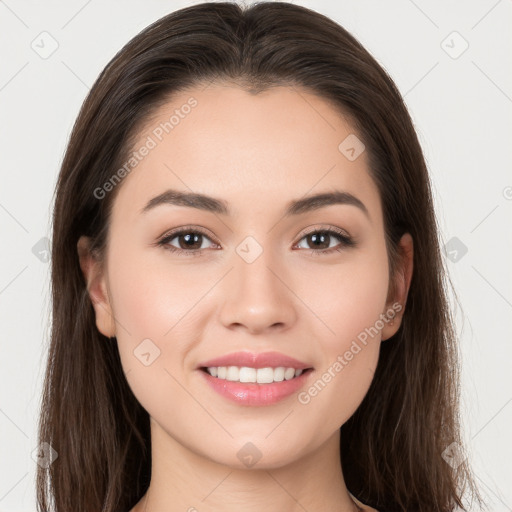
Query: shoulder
pixel 365 508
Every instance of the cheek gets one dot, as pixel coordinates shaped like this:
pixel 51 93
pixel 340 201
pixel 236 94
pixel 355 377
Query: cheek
pixel 348 298
pixel 349 301
pixel 154 308
pixel 350 352
pixel 151 296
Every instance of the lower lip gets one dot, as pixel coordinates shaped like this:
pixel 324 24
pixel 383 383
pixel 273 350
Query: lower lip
pixel 256 394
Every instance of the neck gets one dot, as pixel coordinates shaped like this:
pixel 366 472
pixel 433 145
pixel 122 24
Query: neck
pixel 183 480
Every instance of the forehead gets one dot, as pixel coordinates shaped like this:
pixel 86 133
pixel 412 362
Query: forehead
pixel 249 149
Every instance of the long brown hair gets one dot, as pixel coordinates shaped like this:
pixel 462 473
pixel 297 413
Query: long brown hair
pixel 392 448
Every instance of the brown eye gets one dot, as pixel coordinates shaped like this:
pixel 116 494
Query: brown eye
pixel 319 241
pixel 188 241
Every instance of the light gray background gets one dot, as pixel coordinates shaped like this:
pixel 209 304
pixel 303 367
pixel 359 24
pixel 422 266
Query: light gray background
pixel 461 106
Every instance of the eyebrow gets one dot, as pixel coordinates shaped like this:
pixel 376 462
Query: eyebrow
pixel 219 206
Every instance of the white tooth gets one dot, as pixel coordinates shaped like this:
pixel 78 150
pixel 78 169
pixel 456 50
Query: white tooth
pixel 233 373
pixel 265 375
pixel 279 374
pixel 289 373
pixel 247 374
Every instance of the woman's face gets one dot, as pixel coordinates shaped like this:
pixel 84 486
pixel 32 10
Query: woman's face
pixel 250 273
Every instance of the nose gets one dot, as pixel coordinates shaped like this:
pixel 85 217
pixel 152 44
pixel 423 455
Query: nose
pixel 258 296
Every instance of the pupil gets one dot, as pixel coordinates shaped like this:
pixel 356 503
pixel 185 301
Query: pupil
pixel 191 238
pixel 316 236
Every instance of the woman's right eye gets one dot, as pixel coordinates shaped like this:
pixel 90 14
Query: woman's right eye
pixel 188 239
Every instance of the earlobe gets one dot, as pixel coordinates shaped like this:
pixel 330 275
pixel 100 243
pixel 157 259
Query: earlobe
pixel 93 272
pixel 401 286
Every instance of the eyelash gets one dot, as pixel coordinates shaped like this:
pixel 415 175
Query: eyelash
pixel 346 241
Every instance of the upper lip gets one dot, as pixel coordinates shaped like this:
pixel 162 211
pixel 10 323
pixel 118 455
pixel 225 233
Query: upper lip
pixel 253 360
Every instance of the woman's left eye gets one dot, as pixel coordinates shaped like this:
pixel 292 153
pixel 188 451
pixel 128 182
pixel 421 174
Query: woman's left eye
pixel 190 241
pixel 319 238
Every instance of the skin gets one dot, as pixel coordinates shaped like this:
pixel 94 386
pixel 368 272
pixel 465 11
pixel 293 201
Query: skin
pixel 257 152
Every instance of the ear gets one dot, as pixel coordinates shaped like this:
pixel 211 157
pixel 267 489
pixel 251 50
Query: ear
pixel 92 270
pixel 399 288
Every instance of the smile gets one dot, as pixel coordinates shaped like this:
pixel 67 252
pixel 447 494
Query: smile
pixel 253 392
pixel 254 375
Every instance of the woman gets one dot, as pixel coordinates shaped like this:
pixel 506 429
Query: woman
pixel 304 358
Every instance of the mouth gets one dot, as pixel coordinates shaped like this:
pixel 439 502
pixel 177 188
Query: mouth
pixel 255 379
pixel 248 386
pixel 249 375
